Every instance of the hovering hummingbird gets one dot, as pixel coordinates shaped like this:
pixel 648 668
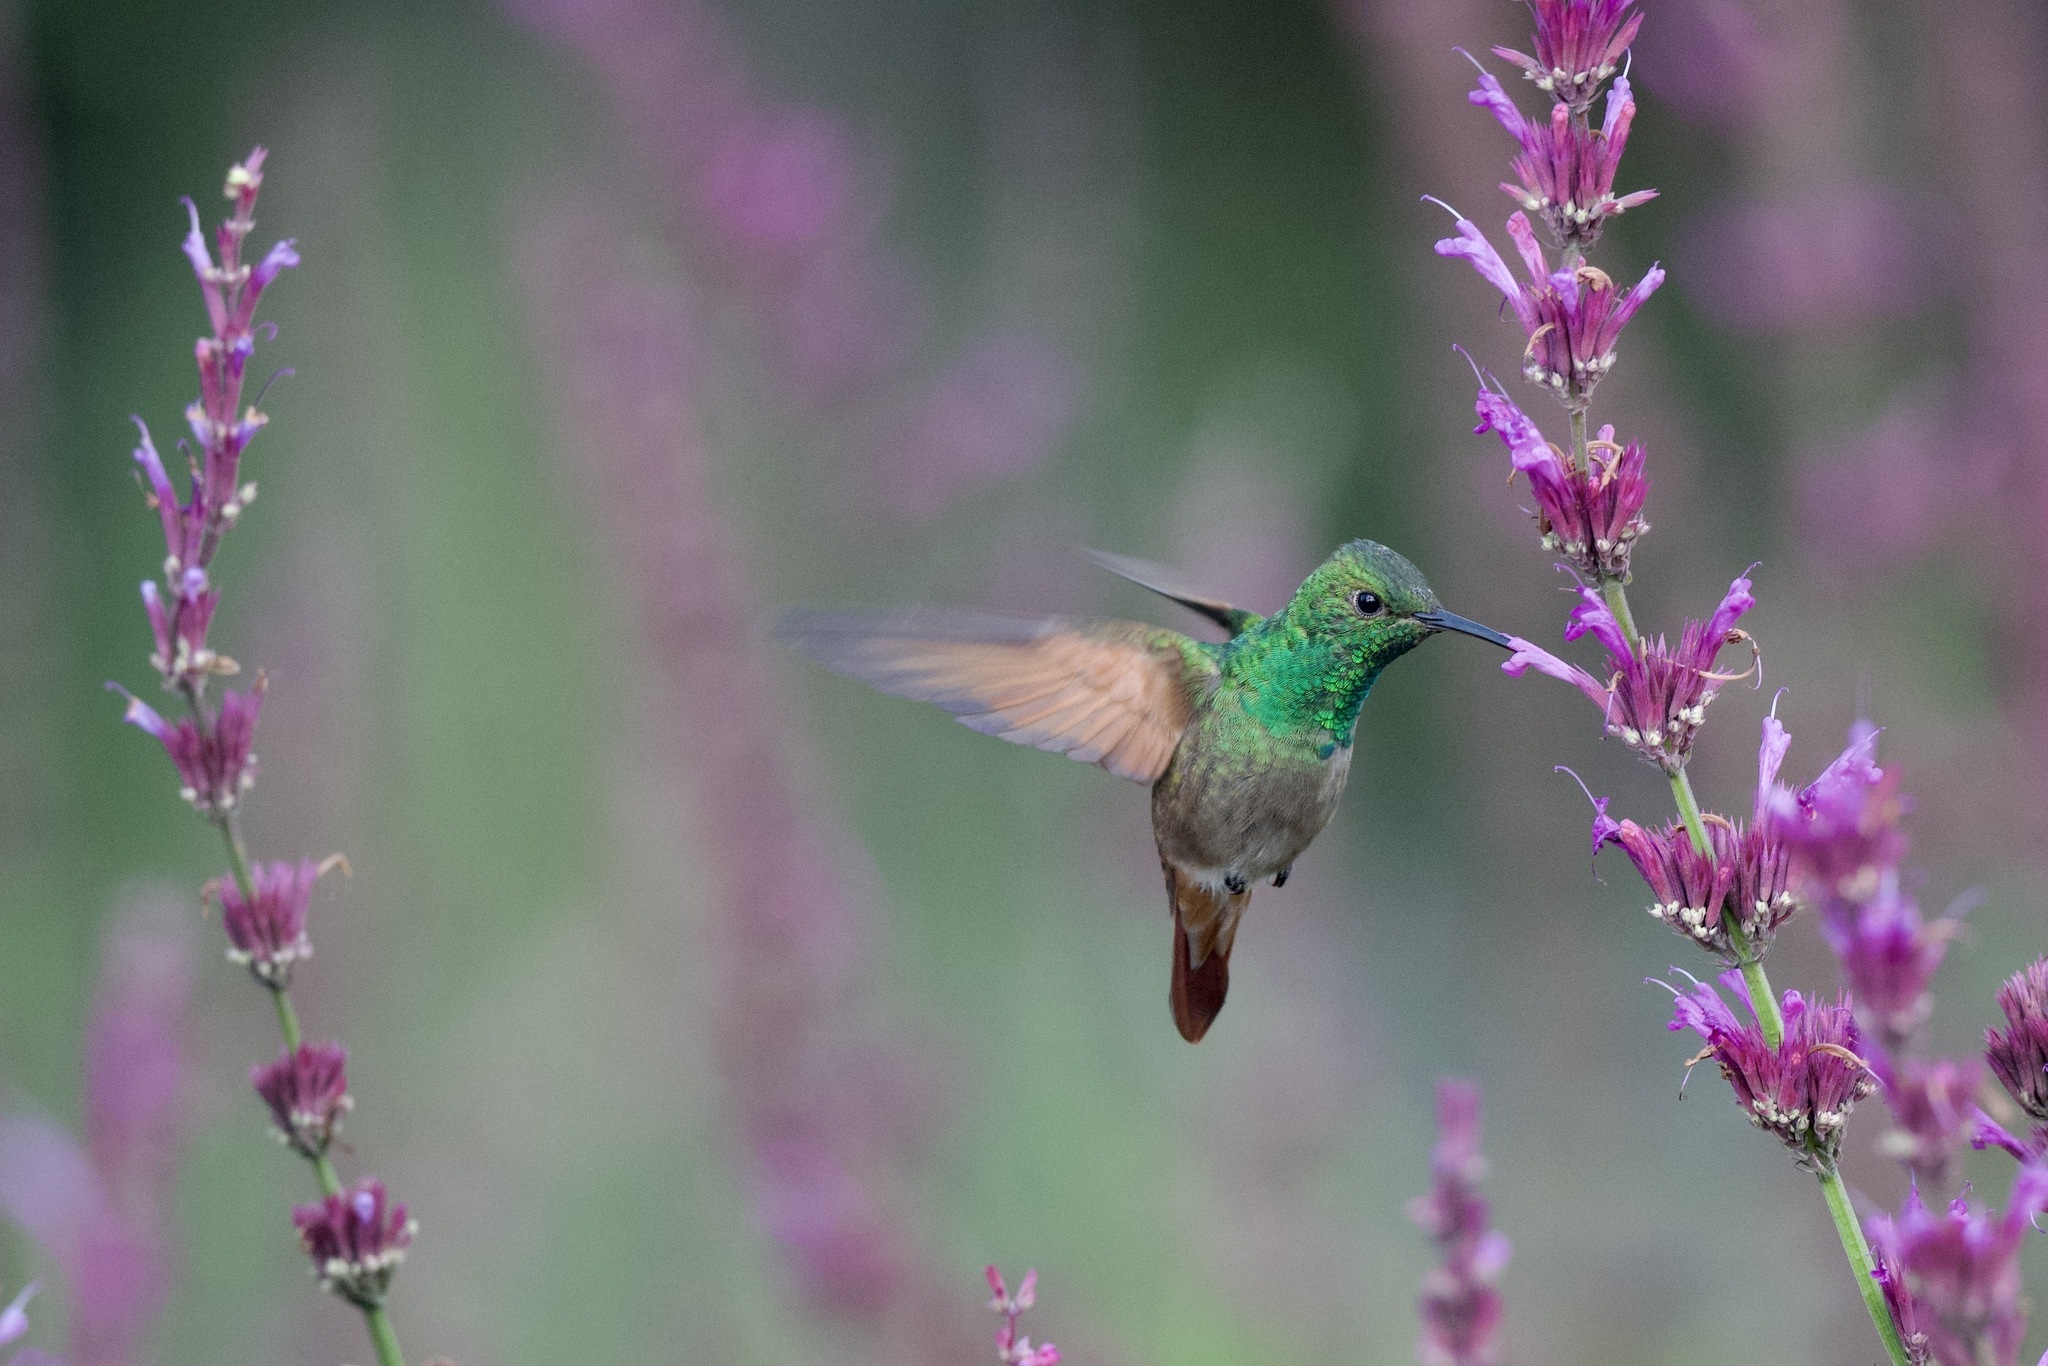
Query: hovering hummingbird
pixel 1246 744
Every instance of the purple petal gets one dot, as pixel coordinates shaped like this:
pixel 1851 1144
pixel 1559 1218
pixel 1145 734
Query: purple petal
pixel 1770 757
pixel 1471 244
pixel 140 714
pixel 1490 96
pixel 195 243
pixel 279 257
pixel 1527 656
pixel 1525 241
pixel 1733 604
pixel 1635 298
pixel 14 1318
pixel 1594 617
pixel 1527 449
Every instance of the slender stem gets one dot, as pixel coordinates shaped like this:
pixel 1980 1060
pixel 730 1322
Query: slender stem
pixel 1858 1249
pixel 384 1337
pixel 1689 812
pixel 1617 603
pixel 238 857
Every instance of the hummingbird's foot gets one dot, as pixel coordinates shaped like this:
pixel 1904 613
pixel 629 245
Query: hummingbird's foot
pixel 1235 882
pixel 1280 878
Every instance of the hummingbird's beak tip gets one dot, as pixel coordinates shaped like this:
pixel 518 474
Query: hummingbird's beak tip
pixel 1441 620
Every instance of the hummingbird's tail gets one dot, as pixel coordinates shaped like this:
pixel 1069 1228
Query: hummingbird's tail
pixel 1204 927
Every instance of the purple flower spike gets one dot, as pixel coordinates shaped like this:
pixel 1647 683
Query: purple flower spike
pixel 267 932
pixel 307 1092
pixel 1566 169
pixel 182 655
pixel 1930 1104
pixel 1579 44
pixel 1656 696
pixel 1803 1089
pixel 1573 318
pixel 2019 1055
pixel 1013 1349
pixel 1591 517
pixel 215 764
pixel 356 1241
pixel 1954 1278
pixel 1460 1304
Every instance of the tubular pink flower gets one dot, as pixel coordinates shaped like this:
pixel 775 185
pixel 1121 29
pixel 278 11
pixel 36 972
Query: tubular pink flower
pixel 1741 882
pixel 1889 955
pixel 1566 170
pixel 267 931
pixel 1573 318
pixel 1579 44
pixel 1803 1089
pixel 1013 1349
pixel 306 1089
pixel 1656 696
pixel 1592 516
pixel 1844 826
pixel 182 655
pixel 356 1240
pixel 2018 1054
pixel 216 765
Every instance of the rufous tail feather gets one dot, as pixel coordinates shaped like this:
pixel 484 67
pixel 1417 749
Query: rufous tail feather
pixel 1204 926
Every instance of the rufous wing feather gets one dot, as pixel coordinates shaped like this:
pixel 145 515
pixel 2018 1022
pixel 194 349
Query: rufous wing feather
pixel 1114 693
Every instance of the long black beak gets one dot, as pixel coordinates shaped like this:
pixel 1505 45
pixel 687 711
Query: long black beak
pixel 1450 621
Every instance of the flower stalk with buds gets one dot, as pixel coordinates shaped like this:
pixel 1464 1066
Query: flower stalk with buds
pixel 353 1237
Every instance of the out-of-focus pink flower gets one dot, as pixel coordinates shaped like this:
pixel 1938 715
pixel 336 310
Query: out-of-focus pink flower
pixel 267 931
pixel 217 764
pixel 1843 827
pixel 356 1240
pixel 777 181
pixel 998 411
pixel 1954 1277
pixel 1579 44
pixel 1932 1117
pixel 1566 172
pixel 97 1208
pixel 1460 1305
pixel 1803 1089
pixel 1889 956
pixel 1012 1348
pixel 2018 1054
pixel 1827 262
pixel 1655 699
pixel 1706 59
pixel 306 1089
pixel 813 1207
pixel 1590 516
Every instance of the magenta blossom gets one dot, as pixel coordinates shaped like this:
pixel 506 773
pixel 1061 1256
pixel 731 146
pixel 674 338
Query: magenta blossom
pixel 14 1318
pixel 2019 1054
pixel 1566 168
pixel 1013 1349
pixel 1736 889
pixel 1590 516
pixel 1460 1304
pixel 1579 44
pixel 1888 956
pixel 1843 827
pixel 1572 317
pixel 1655 697
pixel 307 1092
pixel 182 655
pixel 216 764
pixel 1959 1273
pixel 1803 1089
pixel 1930 1105
pixel 356 1240
pixel 267 931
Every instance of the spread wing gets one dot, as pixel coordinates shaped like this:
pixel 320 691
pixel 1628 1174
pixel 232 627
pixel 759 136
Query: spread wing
pixel 1114 693
pixel 1167 584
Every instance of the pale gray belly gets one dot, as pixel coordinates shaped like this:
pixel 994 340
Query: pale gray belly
pixel 1211 816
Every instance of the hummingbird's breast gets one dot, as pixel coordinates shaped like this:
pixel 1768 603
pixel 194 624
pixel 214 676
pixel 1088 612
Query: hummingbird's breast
pixel 1237 798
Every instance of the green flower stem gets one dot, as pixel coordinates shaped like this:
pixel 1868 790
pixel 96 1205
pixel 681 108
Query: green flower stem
pixel 386 1337
pixel 1858 1249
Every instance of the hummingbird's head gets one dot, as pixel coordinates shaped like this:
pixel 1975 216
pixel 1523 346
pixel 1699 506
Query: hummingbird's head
pixel 1377 600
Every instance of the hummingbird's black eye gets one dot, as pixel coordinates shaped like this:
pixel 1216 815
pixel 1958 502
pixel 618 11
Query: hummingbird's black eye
pixel 1367 602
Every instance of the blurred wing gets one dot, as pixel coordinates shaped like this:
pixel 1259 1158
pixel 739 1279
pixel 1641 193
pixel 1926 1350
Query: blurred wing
pixel 1167 584
pixel 1114 693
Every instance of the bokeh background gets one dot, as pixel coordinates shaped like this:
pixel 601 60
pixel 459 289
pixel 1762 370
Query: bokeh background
pixel 709 1008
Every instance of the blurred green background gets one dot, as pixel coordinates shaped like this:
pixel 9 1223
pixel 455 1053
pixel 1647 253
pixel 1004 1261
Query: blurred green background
pixel 1150 277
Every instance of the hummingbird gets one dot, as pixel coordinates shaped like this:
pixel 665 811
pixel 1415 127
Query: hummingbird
pixel 1246 743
